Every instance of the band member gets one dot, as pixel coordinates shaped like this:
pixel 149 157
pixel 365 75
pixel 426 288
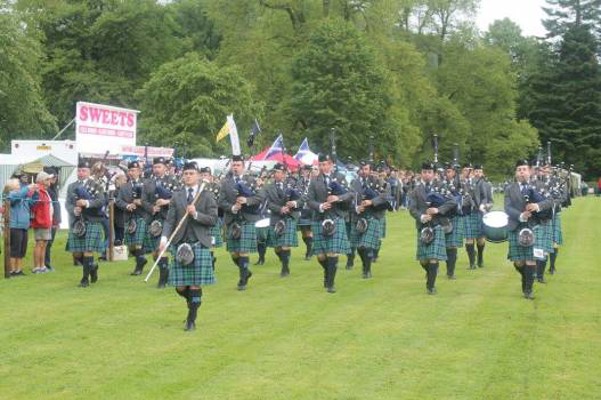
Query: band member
pixel 157 192
pixel 192 265
pixel 523 204
pixel 454 238
pixel 285 203
pixel 482 196
pixel 240 203
pixel 306 215
pixel 262 229
pixel 84 204
pixel 371 202
pixel 329 198
pixel 560 193
pixel 544 238
pixel 429 209
pixel 135 216
pixel 217 229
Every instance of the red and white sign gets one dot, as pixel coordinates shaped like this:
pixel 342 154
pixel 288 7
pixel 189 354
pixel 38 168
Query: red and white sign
pixel 151 152
pixel 100 128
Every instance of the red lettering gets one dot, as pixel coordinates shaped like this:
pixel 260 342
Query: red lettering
pixel 114 117
pixel 95 113
pixel 130 119
pixel 106 117
pixel 83 113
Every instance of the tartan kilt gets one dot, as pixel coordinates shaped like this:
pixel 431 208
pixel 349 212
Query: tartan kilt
pixel 543 236
pixel 151 243
pixel 305 217
pixel 557 233
pixel 337 243
pixel 247 242
pixel 136 238
pixel 262 234
pixel 93 241
pixel 370 239
pixel 200 272
pixel 288 239
pixel 455 238
pixel 472 225
pixel 517 252
pixel 216 232
pixel 435 250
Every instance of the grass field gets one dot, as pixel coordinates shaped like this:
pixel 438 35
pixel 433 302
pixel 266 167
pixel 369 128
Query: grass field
pixel 288 339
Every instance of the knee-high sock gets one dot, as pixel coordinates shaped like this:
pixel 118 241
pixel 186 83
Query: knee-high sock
pixel 261 249
pixel 309 243
pixel 451 261
pixel 244 271
pixel 324 265
pixel 332 265
pixel 541 265
pixel 194 301
pixel 480 253
pixel 285 257
pixel 553 258
pixel 469 248
pixel 432 271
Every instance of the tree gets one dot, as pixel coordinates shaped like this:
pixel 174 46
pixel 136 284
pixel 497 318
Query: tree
pixel 186 102
pixel 23 112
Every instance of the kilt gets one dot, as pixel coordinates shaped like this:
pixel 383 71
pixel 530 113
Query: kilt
pixel 472 225
pixel 93 241
pixel 247 242
pixel 517 252
pixel 455 238
pixel 543 236
pixel 435 250
pixel 337 243
pixel 137 238
pixel 262 234
pixel 200 272
pixel 151 243
pixel 216 233
pixel 288 239
pixel 557 234
pixel 305 218
pixel 370 239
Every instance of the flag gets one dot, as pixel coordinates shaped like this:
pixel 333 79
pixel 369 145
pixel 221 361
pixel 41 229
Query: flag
pixel 302 150
pixel 234 139
pixel 224 131
pixel 255 129
pixel 276 147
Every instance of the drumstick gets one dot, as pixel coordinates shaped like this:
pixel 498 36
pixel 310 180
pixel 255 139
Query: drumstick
pixel 177 228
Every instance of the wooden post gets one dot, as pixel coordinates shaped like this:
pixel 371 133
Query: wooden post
pixel 111 238
pixel 6 232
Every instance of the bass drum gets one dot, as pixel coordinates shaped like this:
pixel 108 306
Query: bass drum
pixel 495 226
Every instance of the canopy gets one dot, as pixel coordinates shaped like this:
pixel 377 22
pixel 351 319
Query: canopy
pixel 283 158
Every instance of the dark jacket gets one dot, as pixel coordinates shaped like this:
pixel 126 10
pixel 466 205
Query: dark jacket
pixel 418 205
pixel 318 193
pixel 380 202
pixel 276 199
pixel 515 204
pixel 228 193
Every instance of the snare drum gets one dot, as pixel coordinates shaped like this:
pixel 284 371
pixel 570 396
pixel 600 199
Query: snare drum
pixel 495 226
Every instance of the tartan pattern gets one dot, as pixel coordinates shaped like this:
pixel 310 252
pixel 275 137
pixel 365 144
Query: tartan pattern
pixel 200 272
pixel 557 233
pixel 137 238
pixel 151 243
pixel 262 234
pixel 306 217
pixel 247 242
pixel 337 243
pixel 435 250
pixel 517 252
pixel 543 236
pixel 455 238
pixel 216 231
pixel 93 241
pixel 288 239
pixel 370 239
pixel 472 225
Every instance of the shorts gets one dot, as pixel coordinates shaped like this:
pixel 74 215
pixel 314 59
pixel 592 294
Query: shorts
pixel 18 242
pixel 42 234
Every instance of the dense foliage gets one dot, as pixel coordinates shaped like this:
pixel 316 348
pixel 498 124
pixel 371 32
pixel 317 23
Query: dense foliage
pixel 397 71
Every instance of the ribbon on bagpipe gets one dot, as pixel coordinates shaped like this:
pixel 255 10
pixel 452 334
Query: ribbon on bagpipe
pixel 372 190
pixel 291 193
pixel 246 190
pixel 336 188
pixel 164 190
pixel 534 196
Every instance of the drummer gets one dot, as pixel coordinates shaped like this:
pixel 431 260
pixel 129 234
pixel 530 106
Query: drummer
pixel 522 204
pixel 240 202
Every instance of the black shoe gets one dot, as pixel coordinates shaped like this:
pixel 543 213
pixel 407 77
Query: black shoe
pixel 84 283
pixel 331 289
pixel 472 266
pixel 451 277
pixel 284 273
pixel 136 272
pixel 241 286
pixel 541 280
pixel 480 265
pixel 528 296
pixel 552 271
pixel 432 291
pixel 17 273
pixel 190 326
pixel 261 261
pixel 374 260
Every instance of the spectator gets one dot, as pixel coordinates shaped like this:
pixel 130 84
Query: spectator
pixel 56 215
pixel 41 221
pixel 19 223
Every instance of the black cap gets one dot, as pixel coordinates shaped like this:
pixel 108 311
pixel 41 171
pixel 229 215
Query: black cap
pixel 364 163
pixel 159 160
pixel 133 164
pixel 307 167
pixel 478 166
pixel 448 165
pixel 237 157
pixel 428 165
pixel 522 162
pixel 467 165
pixel 188 165
pixel 278 167
pixel 324 157
pixel 83 164
pixel 205 170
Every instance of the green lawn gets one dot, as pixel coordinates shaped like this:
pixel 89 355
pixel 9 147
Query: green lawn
pixel 288 339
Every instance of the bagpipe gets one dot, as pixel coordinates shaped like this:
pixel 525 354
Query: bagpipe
pixel 164 189
pixel 437 197
pixel 90 190
pixel 248 189
pixel 336 188
pixel 373 189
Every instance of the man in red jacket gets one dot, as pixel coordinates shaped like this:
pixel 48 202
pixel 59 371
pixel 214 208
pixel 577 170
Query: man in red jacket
pixel 41 222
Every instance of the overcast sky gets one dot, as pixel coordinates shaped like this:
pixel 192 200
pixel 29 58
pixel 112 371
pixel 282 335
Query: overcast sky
pixel 526 13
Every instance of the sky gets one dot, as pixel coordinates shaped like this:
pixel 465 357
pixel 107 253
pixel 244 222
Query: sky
pixel 526 13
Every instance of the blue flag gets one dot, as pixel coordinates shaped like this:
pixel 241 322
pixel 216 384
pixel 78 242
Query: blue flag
pixel 276 147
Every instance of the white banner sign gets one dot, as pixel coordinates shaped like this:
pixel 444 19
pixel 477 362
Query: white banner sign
pixel 140 151
pixel 100 128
